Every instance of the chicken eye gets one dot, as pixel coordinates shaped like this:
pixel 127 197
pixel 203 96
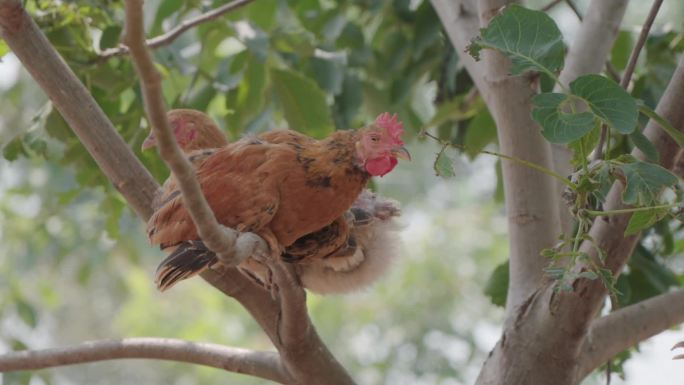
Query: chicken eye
pixel 375 138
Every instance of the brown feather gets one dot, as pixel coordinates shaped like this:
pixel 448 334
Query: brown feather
pixel 324 172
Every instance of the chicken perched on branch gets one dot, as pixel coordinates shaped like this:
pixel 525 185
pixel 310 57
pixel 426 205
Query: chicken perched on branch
pixel 340 256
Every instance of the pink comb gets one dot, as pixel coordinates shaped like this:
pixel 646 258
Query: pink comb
pixel 394 127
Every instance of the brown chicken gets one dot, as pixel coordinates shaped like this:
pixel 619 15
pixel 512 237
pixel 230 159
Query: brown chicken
pixel 328 171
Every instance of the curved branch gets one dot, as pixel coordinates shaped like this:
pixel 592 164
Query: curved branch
pixel 256 363
pixel 631 65
pixel 225 242
pixel 628 326
pixel 173 34
pixel 629 71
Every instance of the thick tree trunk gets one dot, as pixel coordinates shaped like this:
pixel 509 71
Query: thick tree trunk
pixel 545 331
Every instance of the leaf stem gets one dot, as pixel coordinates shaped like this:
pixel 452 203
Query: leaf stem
pixel 532 165
pixel 595 213
pixel 578 236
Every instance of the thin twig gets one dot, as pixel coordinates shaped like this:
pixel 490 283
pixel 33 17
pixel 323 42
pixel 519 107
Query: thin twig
pixel 550 5
pixel 612 72
pixel 222 240
pixel 598 153
pixel 574 9
pixel 173 34
pixel 645 30
pixel 629 71
pixel 256 363
pixel 523 162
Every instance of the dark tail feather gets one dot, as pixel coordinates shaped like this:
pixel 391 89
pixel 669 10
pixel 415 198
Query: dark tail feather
pixel 189 258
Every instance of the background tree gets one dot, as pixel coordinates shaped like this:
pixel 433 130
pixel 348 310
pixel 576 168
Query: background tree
pixel 317 67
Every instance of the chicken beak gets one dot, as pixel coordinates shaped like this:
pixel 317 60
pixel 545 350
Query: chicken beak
pixel 401 153
pixel 149 142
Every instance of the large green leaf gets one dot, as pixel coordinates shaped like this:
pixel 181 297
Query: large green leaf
pixel 444 165
pixel 645 181
pixel 110 37
pixel 642 143
pixel 303 103
pixel 559 123
pixel 641 220
pixel 481 131
pixel 622 49
pixel 497 285
pixel 607 100
pixel 531 39
pixel 4 48
pixel 27 313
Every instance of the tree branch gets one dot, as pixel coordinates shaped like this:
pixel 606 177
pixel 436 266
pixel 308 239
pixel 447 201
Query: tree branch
pixel 645 30
pixel 221 240
pixel 533 221
pixel 629 71
pixel 587 55
pixel 576 310
pixel 173 34
pixel 623 328
pixel 259 364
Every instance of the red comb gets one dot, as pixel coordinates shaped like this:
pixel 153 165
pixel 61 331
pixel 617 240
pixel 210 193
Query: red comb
pixel 394 127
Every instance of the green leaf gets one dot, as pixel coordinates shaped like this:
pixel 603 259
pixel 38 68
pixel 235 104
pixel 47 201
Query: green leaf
pixel 110 37
pixel 262 13
pixel 622 49
pixel 674 133
pixel 481 131
pixel 641 220
pixel 604 181
pixel 57 127
pixel 13 149
pixel 453 111
pixel 27 313
pixel 559 124
pixel 444 165
pixel 303 103
pixel 329 72
pixel 529 38
pixel 497 285
pixel 644 182
pixel 657 274
pixel 4 49
pixel 645 145
pixel 582 147
pixel 591 275
pixel 607 100
pixel 166 9
pixel 348 103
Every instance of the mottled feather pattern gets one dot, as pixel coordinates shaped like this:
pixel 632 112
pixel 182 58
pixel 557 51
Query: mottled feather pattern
pixel 246 183
pixel 332 257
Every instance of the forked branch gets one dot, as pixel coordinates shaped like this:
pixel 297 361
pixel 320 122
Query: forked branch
pixel 624 328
